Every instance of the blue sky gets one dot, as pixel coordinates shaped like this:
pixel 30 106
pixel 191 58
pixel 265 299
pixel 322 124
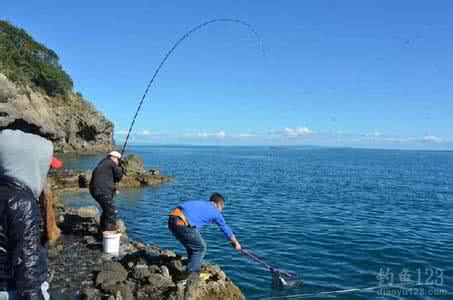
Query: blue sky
pixel 338 73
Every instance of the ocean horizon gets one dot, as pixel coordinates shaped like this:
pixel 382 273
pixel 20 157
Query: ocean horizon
pixel 302 146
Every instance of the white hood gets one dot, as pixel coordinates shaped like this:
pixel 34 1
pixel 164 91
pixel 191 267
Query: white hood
pixel 25 157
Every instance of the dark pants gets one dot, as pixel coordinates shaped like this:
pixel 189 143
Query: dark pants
pixel 109 212
pixel 192 240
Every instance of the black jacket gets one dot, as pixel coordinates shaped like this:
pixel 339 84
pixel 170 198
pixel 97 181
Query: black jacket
pixel 104 177
pixel 23 253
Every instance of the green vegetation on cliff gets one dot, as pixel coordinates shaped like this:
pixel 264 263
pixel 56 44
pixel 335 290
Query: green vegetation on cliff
pixel 27 62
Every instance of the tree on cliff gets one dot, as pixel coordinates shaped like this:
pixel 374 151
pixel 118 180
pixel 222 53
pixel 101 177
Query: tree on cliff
pixel 27 62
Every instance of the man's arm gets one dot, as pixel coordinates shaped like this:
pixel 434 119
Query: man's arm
pixel 24 238
pixel 220 221
pixel 117 172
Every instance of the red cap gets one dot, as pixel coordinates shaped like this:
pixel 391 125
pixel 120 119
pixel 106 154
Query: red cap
pixel 55 163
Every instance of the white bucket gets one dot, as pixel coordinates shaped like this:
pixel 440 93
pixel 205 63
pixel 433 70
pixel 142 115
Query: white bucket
pixel 111 242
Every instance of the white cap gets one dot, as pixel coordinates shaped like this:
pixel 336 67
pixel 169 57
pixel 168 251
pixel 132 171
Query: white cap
pixel 115 154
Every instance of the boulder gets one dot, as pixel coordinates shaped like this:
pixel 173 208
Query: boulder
pixel 134 165
pixel 86 212
pixel 154 269
pixel 165 272
pixel 121 291
pixel 159 282
pixel 90 294
pixel 111 274
pixel 167 253
pixel 89 240
pixel 141 273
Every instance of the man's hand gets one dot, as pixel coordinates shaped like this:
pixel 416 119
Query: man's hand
pixel 235 243
pixel 237 246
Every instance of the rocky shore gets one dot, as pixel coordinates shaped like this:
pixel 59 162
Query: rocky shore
pixel 78 268
pixel 78 180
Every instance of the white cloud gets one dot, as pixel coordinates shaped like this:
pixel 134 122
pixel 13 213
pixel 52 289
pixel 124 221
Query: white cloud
pixel 431 139
pixel 298 131
pixel 218 134
pixel 138 132
pixel 291 135
pixel 378 137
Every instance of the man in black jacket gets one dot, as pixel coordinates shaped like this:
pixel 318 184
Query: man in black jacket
pixel 24 162
pixel 102 188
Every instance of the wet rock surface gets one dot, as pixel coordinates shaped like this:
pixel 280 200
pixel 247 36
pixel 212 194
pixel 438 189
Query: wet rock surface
pixel 78 269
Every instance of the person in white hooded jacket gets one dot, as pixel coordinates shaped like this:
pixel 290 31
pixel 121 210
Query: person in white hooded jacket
pixel 24 163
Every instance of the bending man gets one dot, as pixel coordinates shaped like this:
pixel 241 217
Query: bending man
pixel 102 188
pixel 187 218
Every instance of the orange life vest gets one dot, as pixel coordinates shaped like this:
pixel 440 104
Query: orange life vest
pixel 177 212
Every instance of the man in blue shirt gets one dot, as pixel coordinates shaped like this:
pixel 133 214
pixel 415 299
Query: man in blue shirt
pixel 187 218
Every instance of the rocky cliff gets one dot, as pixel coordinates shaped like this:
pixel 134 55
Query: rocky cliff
pixel 70 121
pixel 36 95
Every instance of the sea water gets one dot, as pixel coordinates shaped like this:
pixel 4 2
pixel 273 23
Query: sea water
pixel 339 218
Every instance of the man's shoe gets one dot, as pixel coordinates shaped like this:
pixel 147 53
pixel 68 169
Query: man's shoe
pixel 204 276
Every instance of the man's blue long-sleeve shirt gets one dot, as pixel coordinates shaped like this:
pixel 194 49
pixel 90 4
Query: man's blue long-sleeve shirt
pixel 200 213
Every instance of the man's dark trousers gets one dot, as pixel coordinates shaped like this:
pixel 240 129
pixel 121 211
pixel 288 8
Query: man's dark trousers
pixel 109 212
pixel 192 240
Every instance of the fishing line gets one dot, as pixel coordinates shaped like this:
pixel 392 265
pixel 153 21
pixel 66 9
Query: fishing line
pixel 168 54
pixel 346 291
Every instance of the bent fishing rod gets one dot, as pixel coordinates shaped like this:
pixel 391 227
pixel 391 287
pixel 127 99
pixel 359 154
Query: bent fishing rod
pixel 171 51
